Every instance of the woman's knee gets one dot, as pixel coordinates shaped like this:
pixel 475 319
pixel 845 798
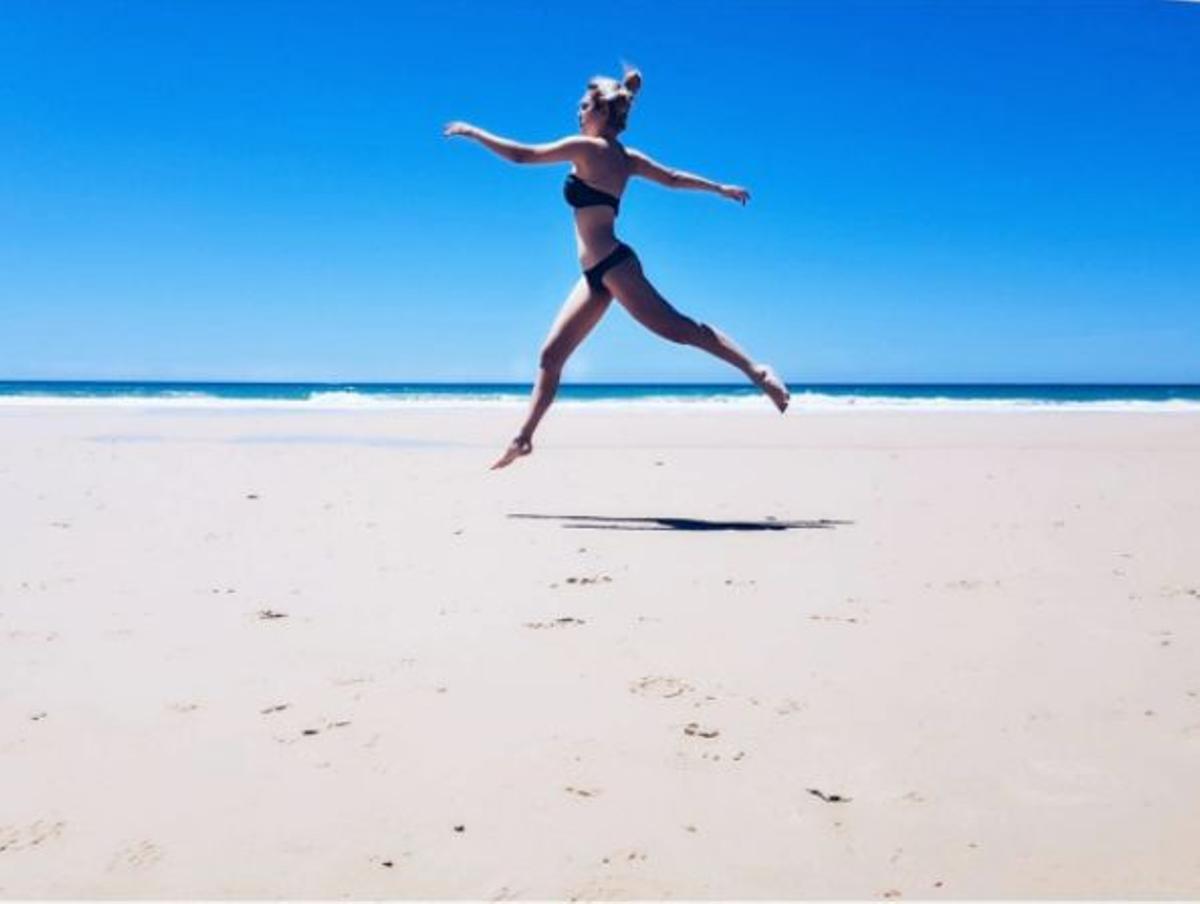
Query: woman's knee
pixel 552 357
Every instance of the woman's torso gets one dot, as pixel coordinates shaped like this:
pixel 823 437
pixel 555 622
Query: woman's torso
pixel 608 171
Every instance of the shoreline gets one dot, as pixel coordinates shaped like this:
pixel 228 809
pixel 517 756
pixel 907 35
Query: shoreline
pixel 800 405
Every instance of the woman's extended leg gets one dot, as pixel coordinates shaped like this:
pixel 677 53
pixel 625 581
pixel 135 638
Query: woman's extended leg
pixel 629 284
pixel 582 310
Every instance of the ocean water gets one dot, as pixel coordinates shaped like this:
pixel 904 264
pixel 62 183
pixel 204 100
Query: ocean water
pixel 816 396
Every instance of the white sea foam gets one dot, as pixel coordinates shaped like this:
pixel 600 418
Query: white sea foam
pixel 349 400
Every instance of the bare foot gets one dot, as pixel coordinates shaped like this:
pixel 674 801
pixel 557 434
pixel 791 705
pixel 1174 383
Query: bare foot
pixel 518 447
pixel 768 382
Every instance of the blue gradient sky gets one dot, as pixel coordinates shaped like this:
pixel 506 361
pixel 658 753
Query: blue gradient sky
pixel 254 190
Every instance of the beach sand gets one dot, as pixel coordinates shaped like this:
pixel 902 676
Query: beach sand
pixel 675 653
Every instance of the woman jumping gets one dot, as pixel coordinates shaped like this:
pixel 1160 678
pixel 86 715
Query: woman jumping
pixel 602 168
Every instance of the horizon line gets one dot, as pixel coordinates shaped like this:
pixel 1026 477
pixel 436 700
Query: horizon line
pixel 529 383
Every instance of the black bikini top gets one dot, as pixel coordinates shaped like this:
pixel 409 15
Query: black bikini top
pixel 579 194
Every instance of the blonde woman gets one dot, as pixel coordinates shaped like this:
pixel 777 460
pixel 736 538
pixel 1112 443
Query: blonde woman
pixel 602 167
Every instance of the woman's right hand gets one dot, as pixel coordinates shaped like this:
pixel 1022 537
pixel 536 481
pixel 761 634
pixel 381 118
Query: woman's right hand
pixel 458 128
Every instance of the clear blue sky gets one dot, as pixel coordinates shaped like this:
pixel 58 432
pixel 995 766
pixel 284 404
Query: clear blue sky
pixel 941 191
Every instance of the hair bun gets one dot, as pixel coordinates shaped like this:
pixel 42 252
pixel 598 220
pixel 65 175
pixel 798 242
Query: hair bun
pixel 632 81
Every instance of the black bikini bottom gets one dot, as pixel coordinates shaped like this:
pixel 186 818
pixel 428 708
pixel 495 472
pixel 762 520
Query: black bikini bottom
pixel 594 273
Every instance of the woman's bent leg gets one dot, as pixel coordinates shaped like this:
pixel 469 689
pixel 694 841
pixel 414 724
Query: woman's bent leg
pixel 649 308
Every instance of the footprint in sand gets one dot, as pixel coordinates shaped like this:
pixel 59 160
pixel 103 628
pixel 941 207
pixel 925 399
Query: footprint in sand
pixel 556 623
pixel 582 581
pixel 352 680
pixel 963 585
pixel 32 635
pixel 19 838
pixel 663 687
pixel 624 856
pixel 1193 592
pixel 789 705
pixel 139 855
pixel 582 792
pixel 716 757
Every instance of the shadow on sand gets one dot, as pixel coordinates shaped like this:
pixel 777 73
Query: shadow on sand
pixel 665 522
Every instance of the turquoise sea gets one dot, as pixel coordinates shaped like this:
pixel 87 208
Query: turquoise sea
pixel 1182 396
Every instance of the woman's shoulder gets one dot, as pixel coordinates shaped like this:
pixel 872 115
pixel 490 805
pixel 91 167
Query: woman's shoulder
pixel 623 156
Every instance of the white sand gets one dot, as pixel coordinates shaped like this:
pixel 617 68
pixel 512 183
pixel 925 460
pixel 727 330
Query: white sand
pixel 995 659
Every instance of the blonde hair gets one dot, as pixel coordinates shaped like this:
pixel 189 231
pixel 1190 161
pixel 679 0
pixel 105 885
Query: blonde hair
pixel 616 96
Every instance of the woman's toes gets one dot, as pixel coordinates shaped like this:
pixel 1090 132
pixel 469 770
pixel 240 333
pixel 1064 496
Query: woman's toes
pixel 774 387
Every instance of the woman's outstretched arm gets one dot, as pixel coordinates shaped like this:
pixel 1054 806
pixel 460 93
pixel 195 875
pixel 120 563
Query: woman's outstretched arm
pixel 569 148
pixel 673 178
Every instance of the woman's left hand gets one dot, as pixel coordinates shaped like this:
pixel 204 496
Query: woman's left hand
pixel 735 193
